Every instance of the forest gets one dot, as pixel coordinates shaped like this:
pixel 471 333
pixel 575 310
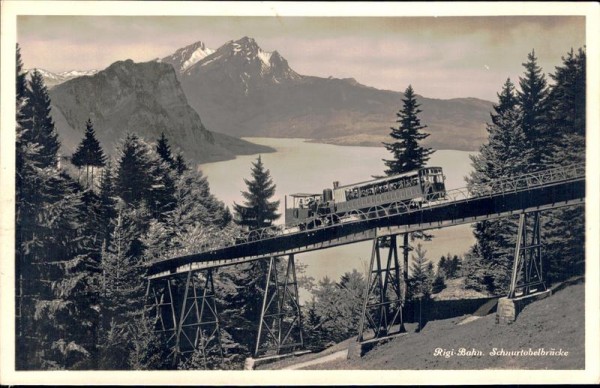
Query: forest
pixel 87 225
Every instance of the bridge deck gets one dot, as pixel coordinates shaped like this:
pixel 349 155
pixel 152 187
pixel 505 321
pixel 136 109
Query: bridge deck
pixel 565 190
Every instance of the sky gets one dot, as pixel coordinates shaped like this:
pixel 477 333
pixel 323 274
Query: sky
pixel 441 57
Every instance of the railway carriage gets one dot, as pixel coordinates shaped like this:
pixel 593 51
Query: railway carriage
pixel 377 197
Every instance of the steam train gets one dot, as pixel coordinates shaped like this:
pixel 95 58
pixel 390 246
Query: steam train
pixel 366 199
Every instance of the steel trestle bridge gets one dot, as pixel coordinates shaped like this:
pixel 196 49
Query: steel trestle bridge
pixel 528 193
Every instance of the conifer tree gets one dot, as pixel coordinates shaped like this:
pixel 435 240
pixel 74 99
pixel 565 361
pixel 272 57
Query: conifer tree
pixel 133 182
pixel 143 177
pixel 567 97
pixel 506 153
pixel 164 150
pixel 242 309
pixel 421 277
pixel 107 211
pixel 439 283
pixel 408 154
pixel 337 307
pixel 180 165
pixel 39 127
pixel 476 274
pixel 160 196
pixel 89 153
pixel 563 230
pixel 257 211
pixel 21 84
pixel 532 99
pixel 123 345
pixel 55 271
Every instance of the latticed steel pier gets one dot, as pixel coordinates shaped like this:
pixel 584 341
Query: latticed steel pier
pixel 382 307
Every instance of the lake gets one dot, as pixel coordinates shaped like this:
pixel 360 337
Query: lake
pixel 300 166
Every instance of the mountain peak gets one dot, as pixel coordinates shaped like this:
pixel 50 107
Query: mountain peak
pixel 244 47
pixel 245 59
pixel 186 57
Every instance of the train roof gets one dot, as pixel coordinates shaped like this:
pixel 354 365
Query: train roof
pixel 386 178
pixel 304 195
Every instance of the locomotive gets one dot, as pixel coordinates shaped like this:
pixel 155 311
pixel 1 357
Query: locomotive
pixel 364 200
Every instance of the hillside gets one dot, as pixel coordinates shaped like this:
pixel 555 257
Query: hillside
pixel 145 98
pixel 241 90
pixel 553 323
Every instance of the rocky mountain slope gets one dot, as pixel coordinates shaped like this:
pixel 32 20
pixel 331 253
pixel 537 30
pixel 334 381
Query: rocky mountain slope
pixel 145 98
pixel 242 90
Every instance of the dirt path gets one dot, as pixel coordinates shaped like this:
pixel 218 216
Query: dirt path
pixel 342 354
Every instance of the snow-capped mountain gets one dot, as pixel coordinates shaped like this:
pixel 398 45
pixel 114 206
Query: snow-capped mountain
pixel 242 90
pixel 187 56
pixel 52 79
pixel 242 60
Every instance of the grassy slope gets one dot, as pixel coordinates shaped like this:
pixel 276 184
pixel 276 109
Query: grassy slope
pixel 556 322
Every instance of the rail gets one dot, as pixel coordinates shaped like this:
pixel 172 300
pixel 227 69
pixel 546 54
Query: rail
pixel 400 206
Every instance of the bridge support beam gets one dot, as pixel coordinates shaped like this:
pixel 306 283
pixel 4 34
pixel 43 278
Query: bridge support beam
pixel 186 314
pixel 160 308
pixel 528 271
pixel 382 302
pixel 280 326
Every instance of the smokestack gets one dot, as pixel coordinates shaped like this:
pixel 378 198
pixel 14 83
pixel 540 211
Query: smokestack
pixel 336 184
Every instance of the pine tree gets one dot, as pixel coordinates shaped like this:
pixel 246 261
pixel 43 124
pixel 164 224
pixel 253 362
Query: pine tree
pixel 442 266
pixel 533 102
pixel 242 309
pixel 315 338
pixel 160 197
pixel 241 289
pixel 195 207
pixel 408 154
pixel 507 153
pixel 107 211
pixel 257 211
pixel 55 268
pixel 563 230
pixel 336 307
pixel 89 153
pixel 39 127
pixel 143 177
pixel 180 165
pixel 439 283
pixel 122 287
pixel 476 274
pixel 164 150
pixel 21 84
pixel 133 182
pixel 455 267
pixel 421 277
pixel 567 97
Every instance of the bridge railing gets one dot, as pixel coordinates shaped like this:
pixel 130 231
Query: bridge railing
pixel 489 189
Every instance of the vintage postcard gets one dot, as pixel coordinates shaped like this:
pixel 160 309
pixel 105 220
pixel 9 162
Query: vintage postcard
pixel 284 193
